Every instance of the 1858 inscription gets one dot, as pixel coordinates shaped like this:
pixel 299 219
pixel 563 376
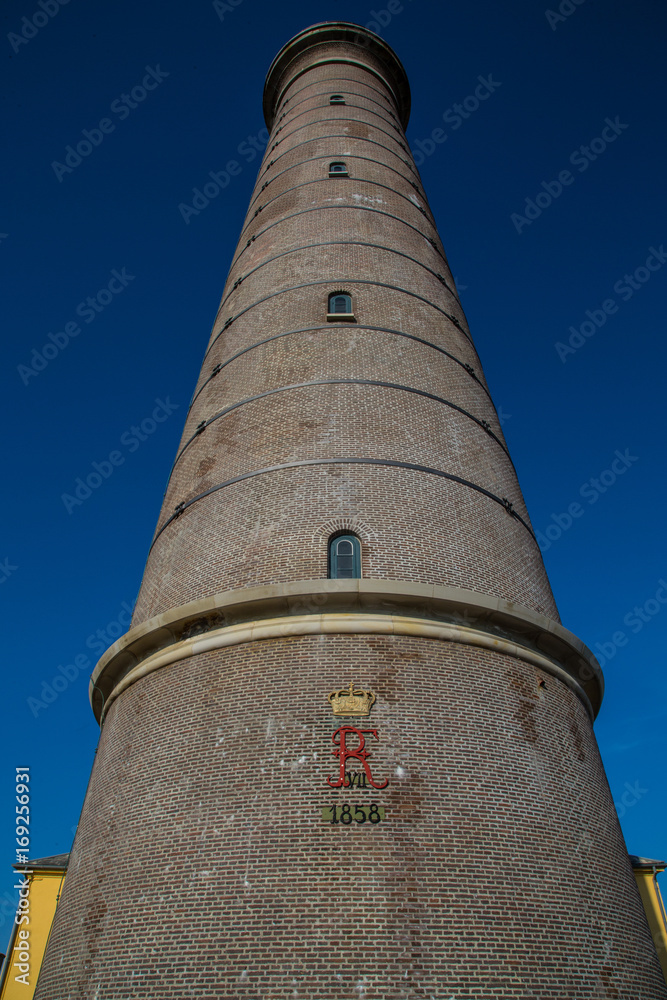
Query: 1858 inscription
pixel 348 814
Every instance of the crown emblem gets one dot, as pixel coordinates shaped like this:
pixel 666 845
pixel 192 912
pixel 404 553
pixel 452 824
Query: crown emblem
pixel 349 701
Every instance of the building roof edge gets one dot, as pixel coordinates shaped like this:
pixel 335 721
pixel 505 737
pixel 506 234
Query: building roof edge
pixel 337 31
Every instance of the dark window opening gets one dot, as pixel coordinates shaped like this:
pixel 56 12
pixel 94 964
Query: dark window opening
pixel 344 558
pixel 338 169
pixel 336 99
pixel 339 303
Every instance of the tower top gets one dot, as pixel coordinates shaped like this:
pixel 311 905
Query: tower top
pixel 360 44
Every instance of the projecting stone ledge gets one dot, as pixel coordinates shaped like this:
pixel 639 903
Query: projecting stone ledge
pixel 316 607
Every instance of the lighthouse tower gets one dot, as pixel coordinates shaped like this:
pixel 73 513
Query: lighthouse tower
pixel 347 747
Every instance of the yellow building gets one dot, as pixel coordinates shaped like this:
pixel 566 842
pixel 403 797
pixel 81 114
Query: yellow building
pixel 40 883
pixel 646 874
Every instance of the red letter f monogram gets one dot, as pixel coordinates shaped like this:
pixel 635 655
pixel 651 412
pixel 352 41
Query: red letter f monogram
pixel 344 753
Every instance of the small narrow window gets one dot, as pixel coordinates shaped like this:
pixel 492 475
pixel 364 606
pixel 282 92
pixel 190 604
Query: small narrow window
pixel 344 558
pixel 336 99
pixel 340 306
pixel 338 169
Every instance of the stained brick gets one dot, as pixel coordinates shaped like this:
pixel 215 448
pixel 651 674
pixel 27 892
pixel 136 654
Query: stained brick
pixel 202 866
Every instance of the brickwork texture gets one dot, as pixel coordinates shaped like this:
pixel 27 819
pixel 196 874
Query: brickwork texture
pixel 210 860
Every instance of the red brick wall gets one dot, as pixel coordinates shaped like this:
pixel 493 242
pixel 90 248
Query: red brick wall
pixel 202 867
pixel 367 234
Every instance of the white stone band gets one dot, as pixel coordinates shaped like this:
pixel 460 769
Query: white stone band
pixel 345 624
pixel 355 607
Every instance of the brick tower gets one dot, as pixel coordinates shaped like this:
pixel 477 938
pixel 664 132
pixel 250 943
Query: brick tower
pixel 347 747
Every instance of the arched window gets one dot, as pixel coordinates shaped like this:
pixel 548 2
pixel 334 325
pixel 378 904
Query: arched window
pixel 340 305
pixel 338 169
pixel 344 557
pixel 336 99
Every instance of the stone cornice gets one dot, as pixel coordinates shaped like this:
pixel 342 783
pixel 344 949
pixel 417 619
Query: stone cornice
pixel 310 607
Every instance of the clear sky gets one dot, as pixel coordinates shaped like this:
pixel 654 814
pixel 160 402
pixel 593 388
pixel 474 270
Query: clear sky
pixel 114 287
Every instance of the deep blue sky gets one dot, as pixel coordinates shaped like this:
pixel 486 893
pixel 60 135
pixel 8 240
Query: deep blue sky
pixel 67 575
